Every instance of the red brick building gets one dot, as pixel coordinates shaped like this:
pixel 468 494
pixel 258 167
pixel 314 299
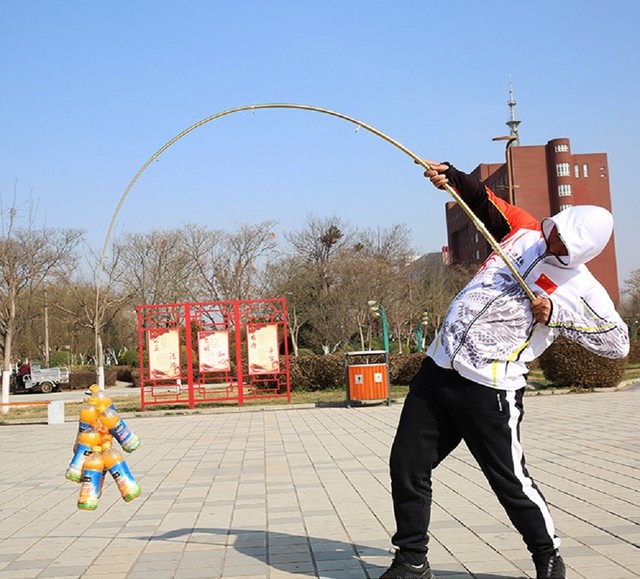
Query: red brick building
pixel 544 180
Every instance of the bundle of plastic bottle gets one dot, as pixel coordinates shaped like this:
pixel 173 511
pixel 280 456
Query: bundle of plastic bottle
pixel 99 423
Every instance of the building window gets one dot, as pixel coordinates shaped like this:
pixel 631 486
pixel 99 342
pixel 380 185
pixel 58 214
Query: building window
pixel 564 190
pixel 576 170
pixel 565 206
pixel 562 170
pixel 477 255
pixel 562 148
pixel 585 170
pixel 476 238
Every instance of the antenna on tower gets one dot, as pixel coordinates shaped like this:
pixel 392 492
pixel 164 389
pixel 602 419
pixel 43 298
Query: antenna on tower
pixel 513 123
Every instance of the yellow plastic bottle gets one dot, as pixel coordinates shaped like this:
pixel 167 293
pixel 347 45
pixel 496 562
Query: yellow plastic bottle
pixel 88 415
pixel 114 462
pixel 86 441
pixel 110 418
pixel 98 397
pixel 92 474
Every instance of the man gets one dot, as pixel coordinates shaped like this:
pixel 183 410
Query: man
pixel 24 369
pixel 470 386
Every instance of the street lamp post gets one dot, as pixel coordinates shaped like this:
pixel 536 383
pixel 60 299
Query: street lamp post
pixel 378 311
pixel 424 320
pixel 46 330
pixel 510 140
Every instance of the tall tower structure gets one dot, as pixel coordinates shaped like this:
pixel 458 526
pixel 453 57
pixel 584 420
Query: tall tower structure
pixel 513 123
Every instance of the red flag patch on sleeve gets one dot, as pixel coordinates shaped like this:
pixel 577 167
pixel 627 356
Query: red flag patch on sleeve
pixel 546 284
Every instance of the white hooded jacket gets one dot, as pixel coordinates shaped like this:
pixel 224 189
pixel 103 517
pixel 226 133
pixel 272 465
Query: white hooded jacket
pixel 489 333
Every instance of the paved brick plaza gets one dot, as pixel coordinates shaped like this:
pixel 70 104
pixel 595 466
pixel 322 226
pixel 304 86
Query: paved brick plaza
pixel 304 492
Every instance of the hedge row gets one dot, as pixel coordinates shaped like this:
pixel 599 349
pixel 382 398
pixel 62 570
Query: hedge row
pixel 314 372
pixel 82 379
pixel 326 372
pixel 564 364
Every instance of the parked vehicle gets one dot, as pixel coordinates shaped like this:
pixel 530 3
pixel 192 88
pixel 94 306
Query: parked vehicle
pixel 40 379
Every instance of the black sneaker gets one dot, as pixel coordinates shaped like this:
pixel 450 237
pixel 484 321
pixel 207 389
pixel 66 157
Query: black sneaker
pixel 549 566
pixel 402 569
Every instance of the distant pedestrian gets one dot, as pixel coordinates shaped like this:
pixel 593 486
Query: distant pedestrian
pixel 24 369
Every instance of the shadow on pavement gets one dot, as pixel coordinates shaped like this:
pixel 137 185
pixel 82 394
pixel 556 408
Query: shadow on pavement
pixel 253 543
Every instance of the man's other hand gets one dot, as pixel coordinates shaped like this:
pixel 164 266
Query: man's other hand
pixel 541 309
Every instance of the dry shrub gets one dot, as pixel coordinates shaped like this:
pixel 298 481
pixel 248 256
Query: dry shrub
pixel 403 367
pixel 82 379
pixel 634 352
pixel 317 372
pixel 568 365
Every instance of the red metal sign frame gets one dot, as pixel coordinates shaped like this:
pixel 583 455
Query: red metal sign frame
pixel 236 382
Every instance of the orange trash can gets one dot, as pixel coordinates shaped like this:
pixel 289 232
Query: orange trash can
pixel 367 376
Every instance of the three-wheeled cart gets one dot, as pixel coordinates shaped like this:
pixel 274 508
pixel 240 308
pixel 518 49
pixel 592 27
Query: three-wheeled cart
pixel 44 379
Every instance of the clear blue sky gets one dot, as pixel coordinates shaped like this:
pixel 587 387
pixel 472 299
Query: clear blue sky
pixel 90 90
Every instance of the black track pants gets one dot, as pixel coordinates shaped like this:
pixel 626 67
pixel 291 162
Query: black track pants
pixel 442 409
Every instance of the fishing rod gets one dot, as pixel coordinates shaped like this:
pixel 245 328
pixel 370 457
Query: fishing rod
pixel 360 125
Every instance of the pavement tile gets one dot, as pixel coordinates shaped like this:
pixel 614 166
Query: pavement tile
pixel 303 493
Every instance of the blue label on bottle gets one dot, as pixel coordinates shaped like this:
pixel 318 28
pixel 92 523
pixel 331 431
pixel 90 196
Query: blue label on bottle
pixel 90 489
pixel 123 434
pixel 129 488
pixel 74 472
pixel 82 451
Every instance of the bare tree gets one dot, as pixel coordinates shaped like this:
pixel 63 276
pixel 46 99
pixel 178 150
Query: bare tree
pixel 96 303
pixel 320 238
pixel 288 277
pixel 154 267
pixel 28 258
pixel 435 286
pixel 386 277
pixel 631 303
pixel 205 254
pixel 344 269
pixel 195 263
pixel 315 246
pixel 232 266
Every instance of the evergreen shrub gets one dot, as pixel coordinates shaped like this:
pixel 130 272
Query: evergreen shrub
pixel 129 358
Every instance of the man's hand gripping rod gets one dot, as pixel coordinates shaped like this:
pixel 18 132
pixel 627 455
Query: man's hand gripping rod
pixel 485 233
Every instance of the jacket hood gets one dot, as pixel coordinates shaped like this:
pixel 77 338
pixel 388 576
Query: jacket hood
pixel 585 231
